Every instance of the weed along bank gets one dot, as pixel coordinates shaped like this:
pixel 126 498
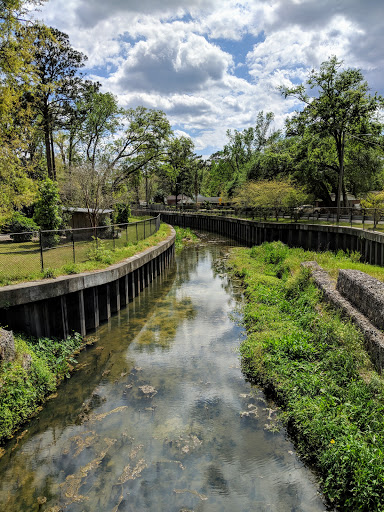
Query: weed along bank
pixel 79 303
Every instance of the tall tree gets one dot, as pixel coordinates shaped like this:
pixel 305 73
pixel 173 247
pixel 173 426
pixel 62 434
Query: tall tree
pixel 56 80
pixel 179 164
pixel 342 109
pixel 16 127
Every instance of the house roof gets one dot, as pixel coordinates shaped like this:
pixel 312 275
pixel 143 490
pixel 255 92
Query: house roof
pixel 84 210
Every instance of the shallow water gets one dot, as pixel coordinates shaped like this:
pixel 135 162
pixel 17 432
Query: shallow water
pixel 159 416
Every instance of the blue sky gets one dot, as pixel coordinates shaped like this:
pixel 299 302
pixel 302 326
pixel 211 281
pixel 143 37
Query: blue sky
pixel 213 65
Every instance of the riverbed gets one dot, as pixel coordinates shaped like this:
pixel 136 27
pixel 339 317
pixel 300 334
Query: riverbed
pixel 158 415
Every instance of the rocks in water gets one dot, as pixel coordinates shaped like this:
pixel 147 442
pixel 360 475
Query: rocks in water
pixel 7 346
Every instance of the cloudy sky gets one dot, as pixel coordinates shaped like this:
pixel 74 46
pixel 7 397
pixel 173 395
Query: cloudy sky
pixel 213 64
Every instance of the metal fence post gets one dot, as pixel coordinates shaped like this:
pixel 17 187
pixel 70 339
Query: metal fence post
pixel 73 247
pixel 137 234
pixel 144 228
pixel 41 251
pixel 126 233
pixel 113 237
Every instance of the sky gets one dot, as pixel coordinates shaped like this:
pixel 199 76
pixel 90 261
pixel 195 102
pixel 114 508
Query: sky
pixel 212 65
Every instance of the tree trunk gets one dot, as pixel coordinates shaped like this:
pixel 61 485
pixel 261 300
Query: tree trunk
pixel 340 141
pixel 47 148
pixel 52 153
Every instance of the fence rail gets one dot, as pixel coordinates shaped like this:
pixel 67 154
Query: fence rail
pixel 30 254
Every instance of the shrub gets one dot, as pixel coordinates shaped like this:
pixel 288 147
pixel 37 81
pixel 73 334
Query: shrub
pixel 122 213
pixel 47 211
pixel 21 228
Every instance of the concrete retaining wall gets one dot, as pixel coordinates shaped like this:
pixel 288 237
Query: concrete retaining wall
pixel 308 236
pixel 57 307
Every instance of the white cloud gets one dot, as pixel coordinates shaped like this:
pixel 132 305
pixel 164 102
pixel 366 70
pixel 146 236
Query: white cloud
pixel 171 62
pixel 164 55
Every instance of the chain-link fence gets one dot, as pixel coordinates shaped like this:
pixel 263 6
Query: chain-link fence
pixel 30 254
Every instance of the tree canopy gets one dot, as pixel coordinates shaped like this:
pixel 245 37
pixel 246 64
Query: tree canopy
pixel 342 111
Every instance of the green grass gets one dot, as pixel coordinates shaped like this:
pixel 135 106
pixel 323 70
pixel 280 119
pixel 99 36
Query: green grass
pixel 315 365
pixel 21 261
pixel 184 236
pixel 39 366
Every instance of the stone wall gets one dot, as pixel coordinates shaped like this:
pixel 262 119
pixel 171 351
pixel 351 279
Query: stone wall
pixel 364 292
pixel 373 337
pixel 7 346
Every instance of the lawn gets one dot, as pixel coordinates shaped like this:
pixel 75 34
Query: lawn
pixel 22 261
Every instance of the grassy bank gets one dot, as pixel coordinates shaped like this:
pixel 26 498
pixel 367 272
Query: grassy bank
pixel 315 365
pixel 19 263
pixel 34 374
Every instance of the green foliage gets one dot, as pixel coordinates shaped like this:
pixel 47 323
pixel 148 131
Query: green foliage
pixel 25 382
pixel 341 109
pixel 183 237
pixel 122 213
pixel 48 211
pixel 100 253
pixel 316 365
pixel 49 273
pixel 47 208
pixel 274 194
pixel 21 224
pixel 71 268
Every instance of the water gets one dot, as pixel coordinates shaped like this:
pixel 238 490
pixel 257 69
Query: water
pixel 159 416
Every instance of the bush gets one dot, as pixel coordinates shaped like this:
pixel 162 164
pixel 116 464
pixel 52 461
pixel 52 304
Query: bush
pixel 47 211
pixel 122 213
pixel 21 228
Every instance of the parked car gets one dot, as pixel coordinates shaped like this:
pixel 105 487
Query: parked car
pixel 307 209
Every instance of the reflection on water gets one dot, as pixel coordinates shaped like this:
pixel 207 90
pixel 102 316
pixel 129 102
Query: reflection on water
pixel 160 417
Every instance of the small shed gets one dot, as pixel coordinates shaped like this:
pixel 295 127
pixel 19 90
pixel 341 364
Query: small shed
pixel 80 217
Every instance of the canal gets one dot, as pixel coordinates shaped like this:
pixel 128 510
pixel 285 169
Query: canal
pixel 158 416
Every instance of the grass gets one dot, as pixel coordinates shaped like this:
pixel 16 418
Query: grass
pixel 184 236
pixel 315 365
pixel 25 383
pixel 21 262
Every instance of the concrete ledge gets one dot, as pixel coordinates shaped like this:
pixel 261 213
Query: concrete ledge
pixel 373 337
pixel 79 303
pixel 25 293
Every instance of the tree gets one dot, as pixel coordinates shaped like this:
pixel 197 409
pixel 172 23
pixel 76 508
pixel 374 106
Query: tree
pixel 17 187
pixel 179 162
pixel 143 142
pixel 48 211
pixel 55 81
pixel 274 194
pixel 239 159
pixel 343 109
pixel 100 122
pixel 92 188
pixel 375 202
